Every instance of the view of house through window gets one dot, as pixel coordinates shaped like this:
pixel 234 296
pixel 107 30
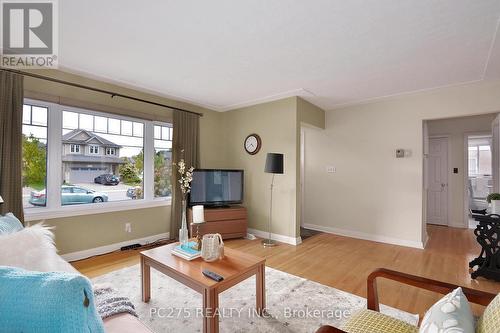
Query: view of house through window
pixel 102 157
pixel 34 162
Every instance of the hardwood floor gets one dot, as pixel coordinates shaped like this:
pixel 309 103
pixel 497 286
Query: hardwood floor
pixel 344 263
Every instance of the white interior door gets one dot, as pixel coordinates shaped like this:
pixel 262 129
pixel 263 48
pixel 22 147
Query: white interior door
pixel 437 188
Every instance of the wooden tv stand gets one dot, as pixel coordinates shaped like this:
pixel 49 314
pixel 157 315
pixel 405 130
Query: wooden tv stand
pixel 230 222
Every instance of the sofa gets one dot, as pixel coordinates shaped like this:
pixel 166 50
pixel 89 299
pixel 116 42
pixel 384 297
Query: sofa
pixel 32 248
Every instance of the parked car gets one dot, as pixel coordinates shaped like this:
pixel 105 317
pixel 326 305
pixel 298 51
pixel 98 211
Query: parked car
pixel 107 179
pixel 70 195
pixel 135 192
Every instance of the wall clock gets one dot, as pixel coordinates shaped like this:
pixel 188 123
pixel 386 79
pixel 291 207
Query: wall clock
pixel 252 144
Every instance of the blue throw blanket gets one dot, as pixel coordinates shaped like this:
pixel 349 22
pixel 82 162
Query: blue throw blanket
pixel 46 302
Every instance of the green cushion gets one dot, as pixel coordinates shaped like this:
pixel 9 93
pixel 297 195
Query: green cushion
pixel 490 320
pixel 368 321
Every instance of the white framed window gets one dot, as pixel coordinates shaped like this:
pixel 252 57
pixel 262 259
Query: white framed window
pixel 139 162
pixel 93 150
pixel 110 151
pixel 479 159
pixel 34 161
pixel 74 149
pixel 162 159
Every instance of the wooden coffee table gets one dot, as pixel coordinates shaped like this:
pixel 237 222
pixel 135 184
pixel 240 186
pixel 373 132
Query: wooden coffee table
pixel 235 267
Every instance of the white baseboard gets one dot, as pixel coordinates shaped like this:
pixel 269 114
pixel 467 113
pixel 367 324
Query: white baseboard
pixel 365 236
pixel 276 237
pixel 112 247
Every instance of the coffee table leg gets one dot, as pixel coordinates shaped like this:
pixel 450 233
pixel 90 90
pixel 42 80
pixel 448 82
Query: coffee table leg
pixel 210 308
pixel 146 280
pixel 261 289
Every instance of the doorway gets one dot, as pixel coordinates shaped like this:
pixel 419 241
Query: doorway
pixel 437 186
pixel 304 231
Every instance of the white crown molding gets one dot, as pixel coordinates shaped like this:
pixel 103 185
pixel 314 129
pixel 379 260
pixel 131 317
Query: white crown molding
pixel 220 108
pixel 112 247
pixel 290 93
pixel 490 51
pixel 402 94
pixel 365 236
pixel 141 88
pixel 276 237
pixel 301 92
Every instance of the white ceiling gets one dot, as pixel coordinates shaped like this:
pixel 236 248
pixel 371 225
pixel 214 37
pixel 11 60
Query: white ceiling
pixel 225 54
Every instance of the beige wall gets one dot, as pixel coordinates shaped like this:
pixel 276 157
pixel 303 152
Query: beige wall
pixel 310 114
pixel 457 129
pixel 88 231
pixel 276 124
pixel 213 145
pixel 84 232
pixel 373 193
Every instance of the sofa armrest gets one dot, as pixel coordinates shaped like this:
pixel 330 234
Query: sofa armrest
pixel 329 329
pixel 474 296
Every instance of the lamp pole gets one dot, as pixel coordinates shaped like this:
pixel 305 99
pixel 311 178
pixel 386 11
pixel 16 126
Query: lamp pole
pixel 270 242
pixel 274 165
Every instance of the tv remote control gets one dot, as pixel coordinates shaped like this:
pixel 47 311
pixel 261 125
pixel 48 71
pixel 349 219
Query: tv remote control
pixel 212 275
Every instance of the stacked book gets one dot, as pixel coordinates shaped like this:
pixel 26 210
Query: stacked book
pixel 187 251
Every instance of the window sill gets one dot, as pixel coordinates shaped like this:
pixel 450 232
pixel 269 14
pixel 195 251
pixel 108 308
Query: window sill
pixel 37 214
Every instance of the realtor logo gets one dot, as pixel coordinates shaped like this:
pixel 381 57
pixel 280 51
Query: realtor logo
pixel 29 34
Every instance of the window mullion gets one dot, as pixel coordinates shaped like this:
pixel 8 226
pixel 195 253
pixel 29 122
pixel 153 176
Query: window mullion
pixel 148 160
pixel 54 162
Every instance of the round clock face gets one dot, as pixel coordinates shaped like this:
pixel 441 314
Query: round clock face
pixel 252 144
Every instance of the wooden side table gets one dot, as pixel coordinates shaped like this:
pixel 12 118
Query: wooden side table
pixel 235 267
pixel 230 222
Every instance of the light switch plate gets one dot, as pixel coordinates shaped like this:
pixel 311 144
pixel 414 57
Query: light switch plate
pixel 331 169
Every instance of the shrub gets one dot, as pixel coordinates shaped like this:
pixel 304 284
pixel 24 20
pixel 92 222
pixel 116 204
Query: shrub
pixel 129 174
pixel 493 196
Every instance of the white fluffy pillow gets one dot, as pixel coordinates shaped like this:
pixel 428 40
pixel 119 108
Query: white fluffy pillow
pixel 33 249
pixel 452 314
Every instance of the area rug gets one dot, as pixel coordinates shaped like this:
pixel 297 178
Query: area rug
pixel 293 304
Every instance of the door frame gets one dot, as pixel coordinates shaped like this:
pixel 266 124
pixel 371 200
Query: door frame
pixel 302 175
pixel 448 162
pixel 466 171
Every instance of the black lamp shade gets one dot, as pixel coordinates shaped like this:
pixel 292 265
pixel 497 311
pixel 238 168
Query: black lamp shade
pixel 274 163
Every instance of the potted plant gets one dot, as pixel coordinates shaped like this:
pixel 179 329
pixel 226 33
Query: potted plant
pixel 494 200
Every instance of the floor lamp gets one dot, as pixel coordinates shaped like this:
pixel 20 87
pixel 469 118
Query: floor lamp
pixel 274 165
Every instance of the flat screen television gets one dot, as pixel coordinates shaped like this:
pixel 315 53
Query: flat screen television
pixel 216 187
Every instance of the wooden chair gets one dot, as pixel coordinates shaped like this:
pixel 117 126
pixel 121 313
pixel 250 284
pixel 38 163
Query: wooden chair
pixel 474 296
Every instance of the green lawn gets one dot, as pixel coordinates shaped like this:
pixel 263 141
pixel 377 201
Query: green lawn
pixel 37 186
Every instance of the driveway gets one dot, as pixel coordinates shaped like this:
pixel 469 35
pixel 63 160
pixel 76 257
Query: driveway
pixel 114 192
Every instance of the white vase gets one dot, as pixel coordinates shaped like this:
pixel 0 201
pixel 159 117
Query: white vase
pixel 183 231
pixel 495 206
